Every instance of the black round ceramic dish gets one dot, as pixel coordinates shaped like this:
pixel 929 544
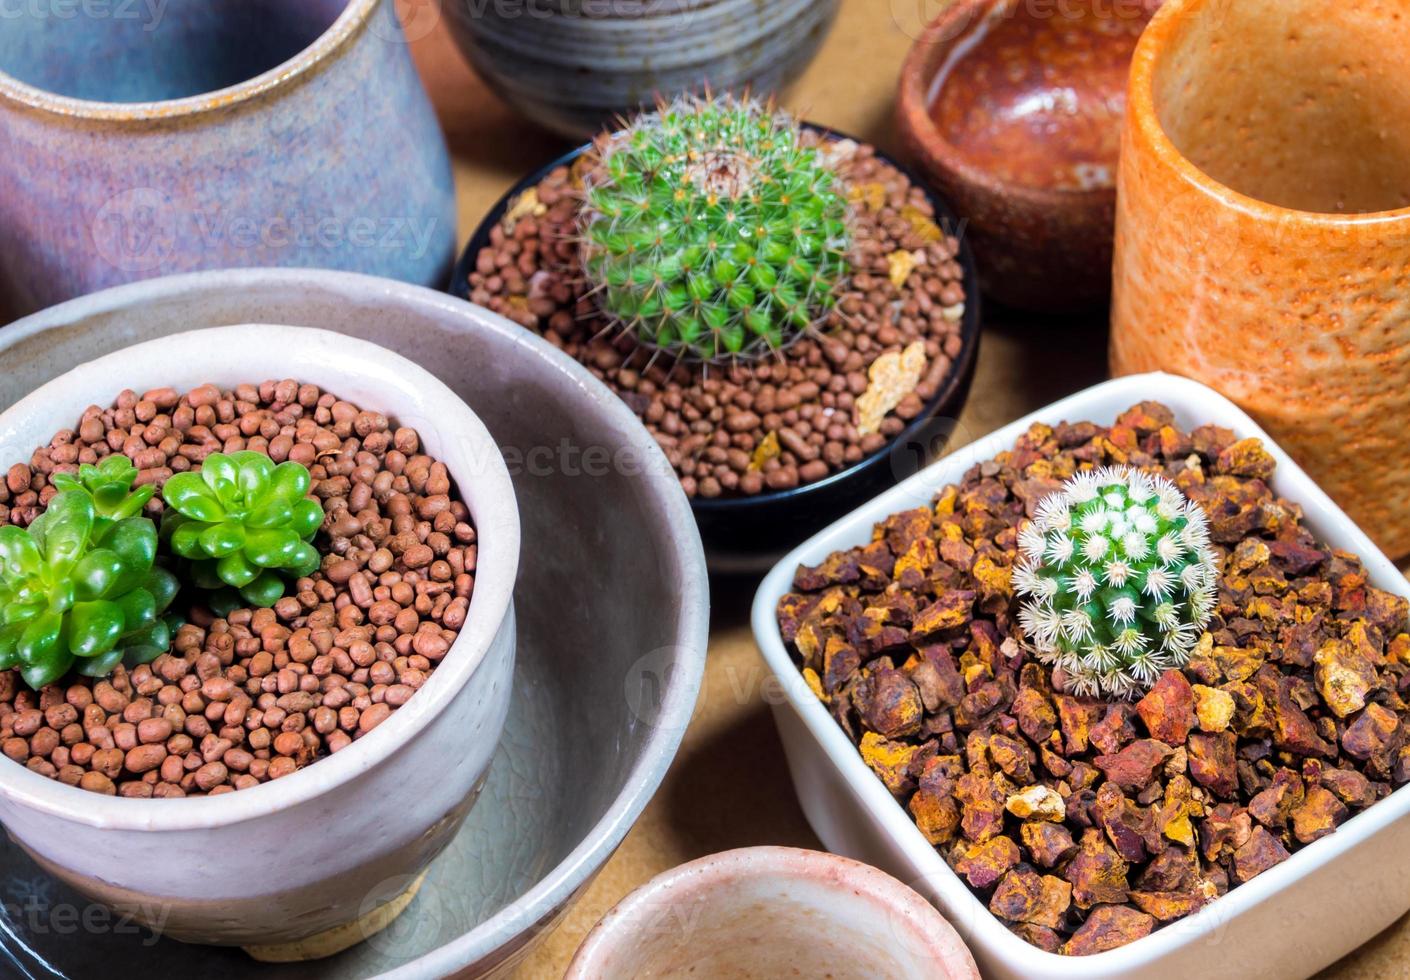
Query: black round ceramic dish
pixel 748 534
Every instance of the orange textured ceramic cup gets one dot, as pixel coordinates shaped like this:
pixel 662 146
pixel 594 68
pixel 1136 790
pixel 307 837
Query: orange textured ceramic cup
pixel 1263 230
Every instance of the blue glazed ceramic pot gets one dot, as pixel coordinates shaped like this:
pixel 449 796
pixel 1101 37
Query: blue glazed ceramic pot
pixel 145 137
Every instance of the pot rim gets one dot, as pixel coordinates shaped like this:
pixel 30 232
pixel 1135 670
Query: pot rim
pixel 715 874
pixel 1143 121
pixel 952 391
pixel 353 19
pixel 918 75
pixel 498 534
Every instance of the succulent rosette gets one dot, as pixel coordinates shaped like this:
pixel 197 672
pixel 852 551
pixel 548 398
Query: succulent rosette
pixel 1119 580
pixel 109 483
pixel 711 230
pixel 80 590
pixel 244 523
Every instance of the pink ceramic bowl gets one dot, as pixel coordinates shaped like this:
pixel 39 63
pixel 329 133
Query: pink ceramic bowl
pixel 762 912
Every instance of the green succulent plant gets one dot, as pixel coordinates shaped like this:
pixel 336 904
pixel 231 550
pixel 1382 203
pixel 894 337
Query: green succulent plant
pixel 245 523
pixel 1119 580
pixel 712 232
pixel 109 483
pixel 79 589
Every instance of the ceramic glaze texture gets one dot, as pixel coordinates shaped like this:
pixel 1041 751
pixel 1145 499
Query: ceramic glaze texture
pixel 607 667
pixel 764 912
pixel 575 66
pixel 314 850
pixel 194 134
pixel 1014 111
pixel 1263 230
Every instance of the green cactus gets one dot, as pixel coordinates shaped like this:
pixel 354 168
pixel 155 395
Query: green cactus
pixel 1118 578
pixel 80 589
pixel 244 523
pixel 712 232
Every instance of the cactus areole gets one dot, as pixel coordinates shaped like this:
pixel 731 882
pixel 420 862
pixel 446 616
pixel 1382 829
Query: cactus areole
pixel 1118 580
pixel 712 231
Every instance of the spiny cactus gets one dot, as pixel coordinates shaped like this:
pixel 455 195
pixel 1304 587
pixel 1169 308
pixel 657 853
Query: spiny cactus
pixel 711 231
pixel 1119 580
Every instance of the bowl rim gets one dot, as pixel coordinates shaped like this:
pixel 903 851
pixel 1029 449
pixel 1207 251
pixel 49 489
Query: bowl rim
pixel 497 525
pixel 355 16
pixel 985 932
pixel 491 939
pixel 1143 119
pixel 918 76
pixel 950 391
pixel 714 874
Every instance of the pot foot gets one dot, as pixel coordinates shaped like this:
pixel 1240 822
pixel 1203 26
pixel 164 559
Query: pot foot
pixel 333 941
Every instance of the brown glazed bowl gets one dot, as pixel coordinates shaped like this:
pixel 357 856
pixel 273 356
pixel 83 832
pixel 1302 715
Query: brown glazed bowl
pixel 1029 95
pixel 1263 231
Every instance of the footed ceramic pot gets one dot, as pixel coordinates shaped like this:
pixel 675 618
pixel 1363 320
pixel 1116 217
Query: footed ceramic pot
pixel 323 858
pixel 1263 231
pixel 142 139
pixel 762 912
pixel 576 66
pixel 1013 111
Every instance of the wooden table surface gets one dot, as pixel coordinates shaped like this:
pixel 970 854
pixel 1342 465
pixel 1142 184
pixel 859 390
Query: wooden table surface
pixel 729 786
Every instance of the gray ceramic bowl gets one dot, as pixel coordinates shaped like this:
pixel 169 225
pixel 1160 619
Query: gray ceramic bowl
pixel 575 66
pixel 612 606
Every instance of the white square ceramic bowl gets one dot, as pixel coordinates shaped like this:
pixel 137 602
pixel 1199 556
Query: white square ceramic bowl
pixel 1291 921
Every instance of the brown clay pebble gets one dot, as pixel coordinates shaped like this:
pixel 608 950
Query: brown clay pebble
pixel 256 696
pixel 743 428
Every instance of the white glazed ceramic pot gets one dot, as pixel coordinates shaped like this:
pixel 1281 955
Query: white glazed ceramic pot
pixel 773 912
pixel 1292 920
pixel 323 847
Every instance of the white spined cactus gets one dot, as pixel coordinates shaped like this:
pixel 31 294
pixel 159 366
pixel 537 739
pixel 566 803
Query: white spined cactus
pixel 1118 580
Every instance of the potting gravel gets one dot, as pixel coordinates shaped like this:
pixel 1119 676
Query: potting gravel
pixel 743 428
pixel 1085 824
pixel 261 693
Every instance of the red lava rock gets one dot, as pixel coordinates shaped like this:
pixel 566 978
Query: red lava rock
pixel 1259 853
pixel 1025 896
pixel 1275 805
pixel 1136 765
pixel 983 806
pixel 983 864
pixel 1226 829
pixel 1168 906
pixel 1212 764
pixel 1049 843
pixel 1108 927
pixel 1097 872
pixel 1168 710
pixel 889 703
pixel 1319 814
pixel 1371 733
pixel 934 807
